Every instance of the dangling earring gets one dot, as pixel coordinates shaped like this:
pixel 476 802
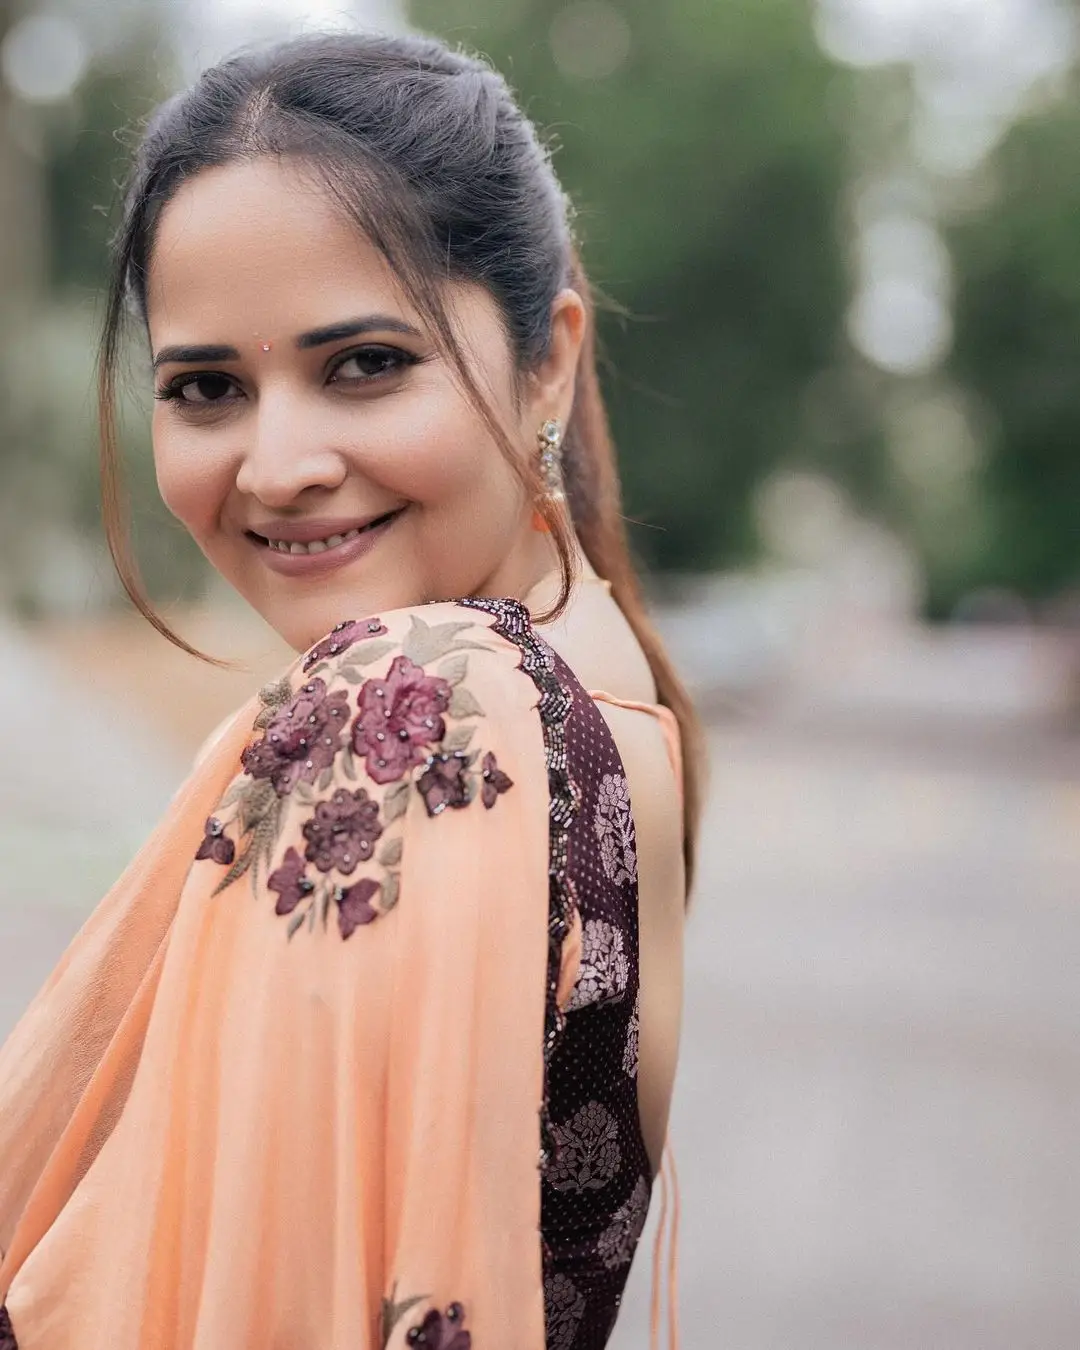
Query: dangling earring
pixel 549 440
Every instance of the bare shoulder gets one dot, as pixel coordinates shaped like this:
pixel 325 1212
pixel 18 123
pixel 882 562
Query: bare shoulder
pixel 596 642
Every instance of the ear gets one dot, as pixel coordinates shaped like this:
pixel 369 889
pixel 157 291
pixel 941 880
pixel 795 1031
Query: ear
pixel 550 390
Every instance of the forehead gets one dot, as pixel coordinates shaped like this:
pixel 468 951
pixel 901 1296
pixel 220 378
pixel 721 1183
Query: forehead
pixel 259 247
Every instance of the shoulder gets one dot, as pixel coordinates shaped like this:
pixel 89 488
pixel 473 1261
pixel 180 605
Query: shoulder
pixel 412 714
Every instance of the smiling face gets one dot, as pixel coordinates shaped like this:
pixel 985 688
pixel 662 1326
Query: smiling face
pixel 308 433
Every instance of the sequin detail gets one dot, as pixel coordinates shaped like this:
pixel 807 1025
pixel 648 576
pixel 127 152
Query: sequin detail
pixel 604 965
pixel 512 622
pixel 614 826
pixel 564 1306
pixel 595 1193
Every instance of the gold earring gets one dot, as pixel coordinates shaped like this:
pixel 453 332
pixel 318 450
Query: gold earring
pixel 549 438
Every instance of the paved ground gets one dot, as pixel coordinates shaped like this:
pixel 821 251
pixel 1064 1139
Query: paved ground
pixel 878 1112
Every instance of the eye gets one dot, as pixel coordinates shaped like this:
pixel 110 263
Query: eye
pixel 365 364
pixel 199 390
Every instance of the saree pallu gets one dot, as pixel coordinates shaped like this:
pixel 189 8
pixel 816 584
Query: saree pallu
pixel 286 1089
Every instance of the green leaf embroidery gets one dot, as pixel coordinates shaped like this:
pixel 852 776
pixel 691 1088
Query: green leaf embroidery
pixel 369 652
pixel 294 924
pixel 396 801
pixel 457 738
pixel 453 671
pixel 390 853
pixel 464 704
pixel 348 764
pixel 393 1312
pixel 390 887
pixel 424 644
pixel 326 778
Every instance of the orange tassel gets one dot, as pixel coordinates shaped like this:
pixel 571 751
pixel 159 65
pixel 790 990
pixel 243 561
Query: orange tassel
pixel 539 524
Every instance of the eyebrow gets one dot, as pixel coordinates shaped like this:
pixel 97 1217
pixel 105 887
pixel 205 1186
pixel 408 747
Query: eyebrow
pixel 317 337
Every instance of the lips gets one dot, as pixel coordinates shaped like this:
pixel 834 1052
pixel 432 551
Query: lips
pixel 301 539
pixel 311 549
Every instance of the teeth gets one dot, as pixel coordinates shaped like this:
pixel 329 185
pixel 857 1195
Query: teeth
pixel 316 545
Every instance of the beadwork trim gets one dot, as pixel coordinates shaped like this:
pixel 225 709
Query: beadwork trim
pixel 513 622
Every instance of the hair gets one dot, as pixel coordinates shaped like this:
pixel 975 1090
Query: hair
pixel 426 152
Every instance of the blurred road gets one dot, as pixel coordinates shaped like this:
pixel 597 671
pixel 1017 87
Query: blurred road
pixel 878 1111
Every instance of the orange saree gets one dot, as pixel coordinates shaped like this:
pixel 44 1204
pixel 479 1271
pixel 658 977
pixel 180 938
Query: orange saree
pixel 286 1089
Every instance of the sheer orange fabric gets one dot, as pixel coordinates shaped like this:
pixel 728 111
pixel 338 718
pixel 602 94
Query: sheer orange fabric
pixel 265 1115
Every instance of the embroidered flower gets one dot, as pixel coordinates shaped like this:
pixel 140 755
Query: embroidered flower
pixel 630 1049
pixel 400 716
pixel 216 844
pixel 301 739
pixel 587 1153
pixel 342 637
pixel 604 966
pixel 354 905
pixel 617 1243
pixel 444 783
pixel 290 882
pixel 614 826
pixel 564 1307
pixel 440 1331
pixel 343 831
pixel 494 780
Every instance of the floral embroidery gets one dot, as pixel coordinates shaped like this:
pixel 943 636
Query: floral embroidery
pixel 301 739
pixel 342 637
pixel 343 831
pixel 290 882
pixel 587 1153
pixel 630 1050
pixel 438 1331
pixel 618 1242
pixel 400 716
pixel 7 1335
pixel 444 782
pixel 495 781
pixel 442 1331
pixel 216 845
pixel 604 966
pixel 614 826
pixel 564 1307
pixel 308 744
pixel 354 905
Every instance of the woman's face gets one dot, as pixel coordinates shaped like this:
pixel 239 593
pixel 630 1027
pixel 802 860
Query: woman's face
pixel 308 434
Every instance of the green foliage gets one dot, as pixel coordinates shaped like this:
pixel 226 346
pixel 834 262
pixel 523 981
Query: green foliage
pixel 1017 343
pixel 706 170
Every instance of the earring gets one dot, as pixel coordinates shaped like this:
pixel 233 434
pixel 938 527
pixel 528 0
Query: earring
pixel 549 440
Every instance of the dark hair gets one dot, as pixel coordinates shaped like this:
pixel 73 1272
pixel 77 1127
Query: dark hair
pixel 426 151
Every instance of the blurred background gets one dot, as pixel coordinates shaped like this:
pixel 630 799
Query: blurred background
pixel 841 245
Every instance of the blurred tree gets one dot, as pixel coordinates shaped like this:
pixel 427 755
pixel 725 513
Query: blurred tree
pixel 1017 343
pixel 701 144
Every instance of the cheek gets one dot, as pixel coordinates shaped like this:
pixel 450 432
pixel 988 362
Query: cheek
pixel 436 450
pixel 193 478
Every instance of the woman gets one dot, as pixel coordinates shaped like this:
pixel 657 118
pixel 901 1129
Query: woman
pixel 373 1044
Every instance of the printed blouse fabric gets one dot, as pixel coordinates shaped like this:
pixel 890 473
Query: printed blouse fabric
pixel 597 1185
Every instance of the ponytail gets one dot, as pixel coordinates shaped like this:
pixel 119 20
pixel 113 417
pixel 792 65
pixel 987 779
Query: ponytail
pixel 596 509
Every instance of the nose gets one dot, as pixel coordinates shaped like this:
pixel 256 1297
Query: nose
pixel 286 456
